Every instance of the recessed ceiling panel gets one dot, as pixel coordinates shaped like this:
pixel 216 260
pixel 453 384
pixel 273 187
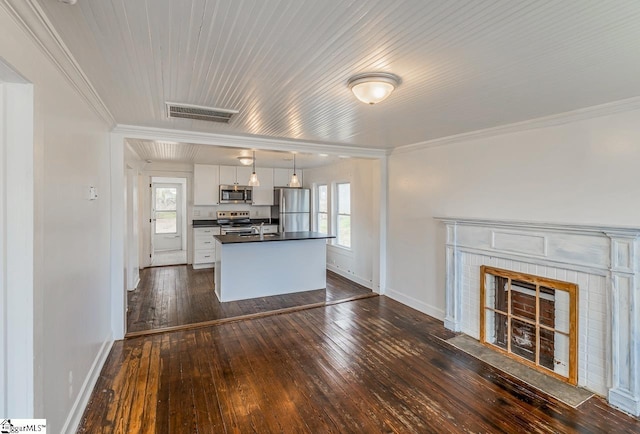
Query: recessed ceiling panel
pixel 161 151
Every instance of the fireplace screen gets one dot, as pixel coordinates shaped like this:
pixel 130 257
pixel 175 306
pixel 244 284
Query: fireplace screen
pixel 531 319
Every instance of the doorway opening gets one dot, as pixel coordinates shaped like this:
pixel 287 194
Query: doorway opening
pixel 168 221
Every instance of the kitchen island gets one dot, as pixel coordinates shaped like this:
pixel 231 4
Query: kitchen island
pixel 251 266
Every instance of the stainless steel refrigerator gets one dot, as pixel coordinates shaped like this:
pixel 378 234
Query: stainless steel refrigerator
pixel 292 207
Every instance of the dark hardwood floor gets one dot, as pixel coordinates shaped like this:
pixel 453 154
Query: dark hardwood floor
pixel 179 295
pixel 366 366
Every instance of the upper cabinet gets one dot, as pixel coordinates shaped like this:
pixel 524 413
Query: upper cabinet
pixel 235 175
pixel 281 177
pixel 206 181
pixel 263 195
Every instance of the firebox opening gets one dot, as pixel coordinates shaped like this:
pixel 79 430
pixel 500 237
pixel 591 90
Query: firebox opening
pixel 532 319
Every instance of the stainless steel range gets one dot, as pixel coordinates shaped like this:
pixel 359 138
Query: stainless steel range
pixel 234 222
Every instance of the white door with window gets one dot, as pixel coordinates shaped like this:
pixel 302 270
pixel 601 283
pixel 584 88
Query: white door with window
pixel 166 203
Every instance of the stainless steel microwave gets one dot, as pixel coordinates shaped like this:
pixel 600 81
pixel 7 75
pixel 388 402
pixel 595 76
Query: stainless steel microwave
pixel 236 194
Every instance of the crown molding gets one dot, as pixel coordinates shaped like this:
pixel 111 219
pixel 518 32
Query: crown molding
pixel 236 141
pixel 542 122
pixel 29 15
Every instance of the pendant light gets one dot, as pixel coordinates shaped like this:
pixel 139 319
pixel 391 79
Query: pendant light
pixel 295 182
pixel 253 179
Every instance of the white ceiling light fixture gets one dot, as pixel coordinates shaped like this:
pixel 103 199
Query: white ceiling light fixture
pixel 253 179
pixel 373 87
pixel 69 2
pixel 295 182
pixel 245 160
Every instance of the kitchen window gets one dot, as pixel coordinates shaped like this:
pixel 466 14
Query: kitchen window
pixel 322 214
pixel 343 215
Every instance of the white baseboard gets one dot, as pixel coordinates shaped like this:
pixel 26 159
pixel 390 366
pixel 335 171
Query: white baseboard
pixel 353 277
pixel 75 415
pixel 201 266
pixel 416 304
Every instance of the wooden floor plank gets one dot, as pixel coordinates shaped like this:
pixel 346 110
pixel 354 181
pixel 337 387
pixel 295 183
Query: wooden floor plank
pixel 370 365
pixel 174 296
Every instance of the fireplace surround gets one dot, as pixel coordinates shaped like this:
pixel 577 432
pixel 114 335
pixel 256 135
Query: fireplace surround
pixel 602 261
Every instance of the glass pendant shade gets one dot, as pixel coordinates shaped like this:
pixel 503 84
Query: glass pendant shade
pixel 253 179
pixel 373 88
pixel 294 182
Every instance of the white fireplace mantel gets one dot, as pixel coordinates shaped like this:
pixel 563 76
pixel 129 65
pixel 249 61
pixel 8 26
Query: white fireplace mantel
pixel 603 260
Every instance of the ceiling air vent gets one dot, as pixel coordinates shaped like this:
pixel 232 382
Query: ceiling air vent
pixel 188 111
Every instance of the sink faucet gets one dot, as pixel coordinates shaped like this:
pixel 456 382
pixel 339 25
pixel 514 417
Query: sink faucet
pixel 259 230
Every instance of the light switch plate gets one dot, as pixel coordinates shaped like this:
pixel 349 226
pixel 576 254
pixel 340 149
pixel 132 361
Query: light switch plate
pixel 93 193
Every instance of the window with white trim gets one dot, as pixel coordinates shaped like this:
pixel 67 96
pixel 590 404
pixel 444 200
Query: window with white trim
pixel 343 217
pixel 166 212
pixel 322 213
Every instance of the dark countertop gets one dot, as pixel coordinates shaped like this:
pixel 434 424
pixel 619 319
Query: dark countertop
pixel 214 223
pixel 281 236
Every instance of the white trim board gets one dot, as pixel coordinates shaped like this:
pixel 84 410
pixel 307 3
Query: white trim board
pixel 17 385
pixel 118 219
pixel 237 141
pixel 77 410
pixel 4 393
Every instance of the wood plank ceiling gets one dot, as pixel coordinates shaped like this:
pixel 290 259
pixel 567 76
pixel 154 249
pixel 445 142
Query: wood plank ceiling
pixel 190 153
pixel 465 65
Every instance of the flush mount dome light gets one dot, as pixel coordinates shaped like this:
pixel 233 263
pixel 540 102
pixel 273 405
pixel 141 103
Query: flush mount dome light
pixel 245 161
pixel 373 87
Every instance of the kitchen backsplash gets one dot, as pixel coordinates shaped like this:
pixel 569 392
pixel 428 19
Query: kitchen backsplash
pixel 209 212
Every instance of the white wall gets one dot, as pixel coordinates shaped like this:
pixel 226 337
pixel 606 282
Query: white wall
pixel 71 233
pixel 581 172
pixel 361 263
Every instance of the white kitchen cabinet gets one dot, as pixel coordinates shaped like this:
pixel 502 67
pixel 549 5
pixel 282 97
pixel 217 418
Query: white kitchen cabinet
pixel 235 175
pixel 227 175
pixel 263 195
pixel 204 247
pixel 243 173
pixel 281 177
pixel 206 183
